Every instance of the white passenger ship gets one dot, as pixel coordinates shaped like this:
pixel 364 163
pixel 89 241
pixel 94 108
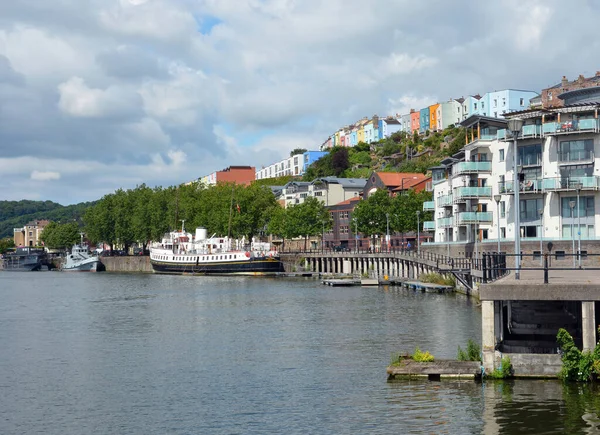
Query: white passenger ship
pixel 183 252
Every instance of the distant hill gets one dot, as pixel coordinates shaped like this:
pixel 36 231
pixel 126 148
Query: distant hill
pixel 15 214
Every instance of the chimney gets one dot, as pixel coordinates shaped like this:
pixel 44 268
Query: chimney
pixel 597 73
pixel 564 81
pixel 581 78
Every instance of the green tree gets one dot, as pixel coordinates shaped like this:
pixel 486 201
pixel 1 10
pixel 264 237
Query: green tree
pixel 309 218
pixel 370 214
pixel 60 236
pixel 6 244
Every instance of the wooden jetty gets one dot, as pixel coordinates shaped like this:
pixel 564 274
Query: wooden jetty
pixel 427 286
pixel 435 370
pixel 341 282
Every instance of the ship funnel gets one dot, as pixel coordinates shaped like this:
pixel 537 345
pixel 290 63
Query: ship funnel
pixel 200 233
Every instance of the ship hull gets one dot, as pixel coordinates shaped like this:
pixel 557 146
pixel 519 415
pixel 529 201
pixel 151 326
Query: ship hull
pixel 267 266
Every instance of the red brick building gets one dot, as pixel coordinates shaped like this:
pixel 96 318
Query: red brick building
pixel 232 174
pixel 550 95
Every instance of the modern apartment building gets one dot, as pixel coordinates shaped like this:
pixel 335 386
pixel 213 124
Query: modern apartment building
pixel 295 165
pixel 558 177
pixel 329 190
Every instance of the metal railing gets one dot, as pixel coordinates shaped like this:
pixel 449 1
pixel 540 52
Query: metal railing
pixel 472 192
pixel 467 217
pixel 471 167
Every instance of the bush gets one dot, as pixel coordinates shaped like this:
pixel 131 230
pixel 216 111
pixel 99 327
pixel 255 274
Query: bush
pixel 436 278
pixel 473 352
pixel 505 370
pixel 422 356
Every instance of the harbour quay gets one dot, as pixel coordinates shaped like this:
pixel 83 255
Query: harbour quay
pixel 521 318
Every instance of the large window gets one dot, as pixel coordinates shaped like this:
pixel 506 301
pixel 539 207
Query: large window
pixel 529 209
pixel 576 150
pixel 530 155
pixel 586 206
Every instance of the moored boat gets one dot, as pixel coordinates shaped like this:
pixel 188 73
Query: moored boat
pixel 25 259
pixel 182 252
pixel 81 260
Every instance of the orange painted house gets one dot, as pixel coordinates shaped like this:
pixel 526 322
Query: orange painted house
pixel 433 117
pixel 415 119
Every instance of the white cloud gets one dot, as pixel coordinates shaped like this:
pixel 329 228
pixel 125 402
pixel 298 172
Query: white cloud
pixel 79 100
pixel 45 176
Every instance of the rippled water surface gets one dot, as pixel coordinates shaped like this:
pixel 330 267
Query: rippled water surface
pixel 141 354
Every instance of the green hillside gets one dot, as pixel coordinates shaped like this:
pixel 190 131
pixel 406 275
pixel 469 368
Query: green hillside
pixel 15 214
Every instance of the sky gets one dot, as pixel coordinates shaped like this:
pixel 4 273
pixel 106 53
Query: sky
pixel 97 95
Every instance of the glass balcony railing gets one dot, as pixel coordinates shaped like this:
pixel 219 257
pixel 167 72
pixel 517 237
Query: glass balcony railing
pixel 445 201
pixel 531 130
pixel 472 192
pixel 571 126
pixel 428 206
pixel 530 160
pixel 469 217
pixel 532 186
pixel 571 183
pixel 575 156
pixel 501 134
pixel 429 226
pixel 445 222
pixel 472 167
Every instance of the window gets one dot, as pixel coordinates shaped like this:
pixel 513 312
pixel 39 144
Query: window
pixel 549 95
pixel 484 234
pixel 522 101
pixel 586 206
pixel 495 114
pixel 495 102
pixel 529 231
pixel 503 233
pixel 530 155
pixel 482 105
pixel 529 209
pixel 502 209
pixel 502 155
pixel 475 106
pixel 503 103
pixel 576 150
pixel 559 255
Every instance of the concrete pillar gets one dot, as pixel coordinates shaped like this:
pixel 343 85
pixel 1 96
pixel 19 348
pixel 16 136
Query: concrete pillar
pixel 346 266
pixel 488 336
pixel 588 325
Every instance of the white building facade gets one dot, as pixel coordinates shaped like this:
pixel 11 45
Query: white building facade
pixel 558 175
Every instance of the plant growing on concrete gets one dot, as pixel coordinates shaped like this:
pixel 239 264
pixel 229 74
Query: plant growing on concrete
pixel 420 356
pixel 437 278
pixel 577 366
pixel 473 352
pixel 505 370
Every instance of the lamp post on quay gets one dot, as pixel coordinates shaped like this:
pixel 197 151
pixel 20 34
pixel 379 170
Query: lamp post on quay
pixel 355 234
pixel 514 126
pixel 418 233
pixel 578 186
pixel 541 213
pixel 497 198
pixel 387 231
pixel 475 208
pixel 572 205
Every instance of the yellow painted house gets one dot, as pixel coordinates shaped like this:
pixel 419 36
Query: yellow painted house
pixel 433 124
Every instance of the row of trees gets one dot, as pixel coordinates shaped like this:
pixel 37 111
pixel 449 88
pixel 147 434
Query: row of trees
pixel 144 214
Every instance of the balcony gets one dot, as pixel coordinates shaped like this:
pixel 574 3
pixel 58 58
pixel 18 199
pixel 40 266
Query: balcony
pixel 531 131
pixel 445 201
pixel 571 183
pixel 462 193
pixel 445 222
pixel 471 217
pixel 429 226
pixel 526 186
pixel 571 126
pixel 575 157
pixel 471 168
pixel 428 206
pixel 502 134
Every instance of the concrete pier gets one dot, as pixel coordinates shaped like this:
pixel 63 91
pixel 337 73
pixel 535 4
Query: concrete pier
pixel 521 318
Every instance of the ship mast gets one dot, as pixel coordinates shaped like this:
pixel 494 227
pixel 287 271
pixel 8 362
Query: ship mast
pixel 230 213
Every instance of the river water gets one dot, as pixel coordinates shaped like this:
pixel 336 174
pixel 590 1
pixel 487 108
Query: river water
pixel 145 354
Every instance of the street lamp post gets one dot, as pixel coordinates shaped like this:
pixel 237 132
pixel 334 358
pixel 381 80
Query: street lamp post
pixel 475 208
pixel 355 234
pixel 541 213
pixel 418 233
pixel 323 238
pixel 578 187
pixel 387 231
pixel 514 126
pixel 497 199
pixel 572 205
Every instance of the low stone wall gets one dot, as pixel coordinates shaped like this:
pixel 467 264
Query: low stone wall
pixel 535 365
pixel 128 264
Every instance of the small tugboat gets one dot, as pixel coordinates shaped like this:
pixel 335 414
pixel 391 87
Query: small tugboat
pixel 180 252
pixel 81 260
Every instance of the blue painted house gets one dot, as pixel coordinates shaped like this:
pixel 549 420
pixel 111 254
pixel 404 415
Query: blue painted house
pixel 424 120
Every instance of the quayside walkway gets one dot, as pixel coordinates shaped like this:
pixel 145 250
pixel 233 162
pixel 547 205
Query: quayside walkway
pixel 399 264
